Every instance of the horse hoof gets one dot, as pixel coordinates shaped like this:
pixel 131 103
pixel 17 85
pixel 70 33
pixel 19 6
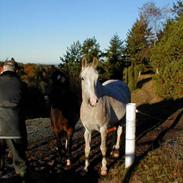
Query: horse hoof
pixel 85 169
pixel 115 153
pixel 103 172
pixel 68 165
pixel 68 162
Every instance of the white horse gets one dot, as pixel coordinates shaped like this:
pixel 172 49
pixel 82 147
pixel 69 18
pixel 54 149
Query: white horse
pixel 103 105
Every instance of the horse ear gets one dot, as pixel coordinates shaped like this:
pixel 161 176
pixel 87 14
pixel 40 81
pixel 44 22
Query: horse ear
pixel 84 62
pixel 95 62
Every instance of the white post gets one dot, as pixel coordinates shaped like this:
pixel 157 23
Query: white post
pixel 130 134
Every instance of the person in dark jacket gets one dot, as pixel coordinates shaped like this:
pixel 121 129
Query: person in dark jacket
pixel 12 117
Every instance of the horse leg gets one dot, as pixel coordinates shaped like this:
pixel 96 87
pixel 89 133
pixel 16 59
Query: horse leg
pixel 116 147
pixel 87 137
pixel 59 146
pixel 10 155
pixel 103 148
pixel 68 146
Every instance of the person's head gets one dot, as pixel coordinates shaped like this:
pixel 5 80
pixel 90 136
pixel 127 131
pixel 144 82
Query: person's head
pixel 10 65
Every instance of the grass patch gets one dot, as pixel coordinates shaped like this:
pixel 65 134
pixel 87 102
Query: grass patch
pixel 161 165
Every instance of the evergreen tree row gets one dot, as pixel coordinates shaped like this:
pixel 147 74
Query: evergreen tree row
pixel 154 43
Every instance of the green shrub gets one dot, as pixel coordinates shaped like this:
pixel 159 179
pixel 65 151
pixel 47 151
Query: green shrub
pixel 130 76
pixel 170 80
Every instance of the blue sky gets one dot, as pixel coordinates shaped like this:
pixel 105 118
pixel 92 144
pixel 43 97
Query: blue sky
pixel 39 31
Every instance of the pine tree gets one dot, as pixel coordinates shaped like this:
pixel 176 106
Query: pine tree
pixel 137 47
pixel 73 54
pixel 90 49
pixel 115 60
pixel 177 8
pixel 70 65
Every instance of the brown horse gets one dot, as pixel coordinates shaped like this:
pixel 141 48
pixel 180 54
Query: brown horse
pixel 64 114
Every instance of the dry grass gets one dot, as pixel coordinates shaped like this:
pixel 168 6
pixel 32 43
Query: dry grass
pixel 162 165
pixel 116 174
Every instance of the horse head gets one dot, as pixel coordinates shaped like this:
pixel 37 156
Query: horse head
pixel 89 81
